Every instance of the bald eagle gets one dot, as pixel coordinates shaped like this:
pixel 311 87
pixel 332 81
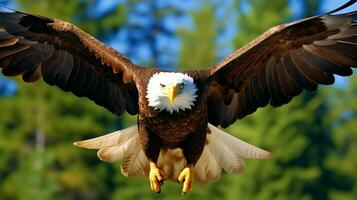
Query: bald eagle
pixel 176 136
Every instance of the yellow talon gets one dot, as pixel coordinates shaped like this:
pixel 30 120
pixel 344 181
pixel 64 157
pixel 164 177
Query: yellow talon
pixel 156 177
pixel 186 176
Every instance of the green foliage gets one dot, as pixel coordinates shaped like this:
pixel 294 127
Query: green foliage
pixel 79 13
pixel 198 44
pixel 38 159
pixel 344 119
pixel 261 16
pixel 38 155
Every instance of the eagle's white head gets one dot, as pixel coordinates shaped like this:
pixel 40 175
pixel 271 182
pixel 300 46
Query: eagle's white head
pixel 171 91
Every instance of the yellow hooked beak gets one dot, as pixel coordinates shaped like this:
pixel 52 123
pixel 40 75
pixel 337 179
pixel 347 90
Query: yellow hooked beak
pixel 172 93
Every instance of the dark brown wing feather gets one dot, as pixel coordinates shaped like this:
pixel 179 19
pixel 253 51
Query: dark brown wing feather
pixel 280 64
pixel 35 46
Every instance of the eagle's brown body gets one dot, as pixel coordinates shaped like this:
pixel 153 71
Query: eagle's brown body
pixel 272 69
pixel 186 130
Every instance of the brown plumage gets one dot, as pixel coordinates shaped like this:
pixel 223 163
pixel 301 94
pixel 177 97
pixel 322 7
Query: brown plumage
pixel 280 64
pixel 271 69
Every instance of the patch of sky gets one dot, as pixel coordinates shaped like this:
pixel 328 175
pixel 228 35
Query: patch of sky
pixel 101 7
pixel 7 87
pixel 297 8
pixel 328 5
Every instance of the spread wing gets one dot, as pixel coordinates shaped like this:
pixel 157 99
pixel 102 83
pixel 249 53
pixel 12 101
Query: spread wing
pixel 281 63
pixel 65 56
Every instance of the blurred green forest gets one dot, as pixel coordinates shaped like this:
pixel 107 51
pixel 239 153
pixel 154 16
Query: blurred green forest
pixel 313 139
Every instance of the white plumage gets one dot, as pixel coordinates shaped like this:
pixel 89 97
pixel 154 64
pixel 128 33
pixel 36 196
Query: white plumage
pixel 222 151
pixel 159 100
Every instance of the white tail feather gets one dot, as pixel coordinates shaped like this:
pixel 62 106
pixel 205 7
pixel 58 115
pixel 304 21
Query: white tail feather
pixel 135 165
pixel 207 167
pixel 221 151
pixel 171 161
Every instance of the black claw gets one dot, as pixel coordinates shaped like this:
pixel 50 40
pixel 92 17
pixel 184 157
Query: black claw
pixel 159 192
pixel 180 182
pixel 183 193
pixel 161 182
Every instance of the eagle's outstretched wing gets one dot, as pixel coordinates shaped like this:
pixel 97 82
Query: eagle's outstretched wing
pixel 281 63
pixel 35 46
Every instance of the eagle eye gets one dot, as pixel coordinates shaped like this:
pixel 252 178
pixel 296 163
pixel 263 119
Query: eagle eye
pixel 181 86
pixel 162 86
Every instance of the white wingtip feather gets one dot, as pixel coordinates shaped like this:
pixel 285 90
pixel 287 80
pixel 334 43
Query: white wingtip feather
pixel 111 139
pixel 239 146
pixel 119 152
pixel 207 168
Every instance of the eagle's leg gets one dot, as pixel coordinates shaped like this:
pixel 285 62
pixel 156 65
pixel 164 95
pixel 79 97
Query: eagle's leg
pixel 192 150
pixel 186 177
pixel 156 177
pixel 151 144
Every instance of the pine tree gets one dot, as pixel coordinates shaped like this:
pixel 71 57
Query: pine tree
pixel 343 117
